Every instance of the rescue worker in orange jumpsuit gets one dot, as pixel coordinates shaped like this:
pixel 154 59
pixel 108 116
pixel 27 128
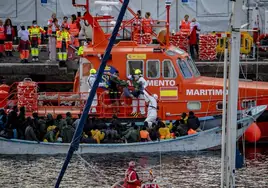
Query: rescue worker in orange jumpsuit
pixel 185 24
pixel 131 177
pixel 2 38
pixel 9 34
pixel 24 44
pixel 35 38
pixel 63 40
pixel 137 24
pixel 147 24
pixel 74 30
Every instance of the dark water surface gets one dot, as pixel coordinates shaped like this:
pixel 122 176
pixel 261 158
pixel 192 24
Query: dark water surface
pixel 201 169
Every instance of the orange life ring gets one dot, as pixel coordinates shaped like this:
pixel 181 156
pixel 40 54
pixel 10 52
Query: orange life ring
pixel 261 37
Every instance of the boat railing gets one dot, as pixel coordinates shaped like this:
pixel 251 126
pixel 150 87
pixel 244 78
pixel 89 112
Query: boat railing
pixel 63 102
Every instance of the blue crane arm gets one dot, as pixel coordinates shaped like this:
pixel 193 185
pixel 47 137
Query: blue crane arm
pixel 79 129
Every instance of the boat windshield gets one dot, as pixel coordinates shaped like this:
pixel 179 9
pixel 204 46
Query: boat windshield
pixel 192 65
pixel 184 68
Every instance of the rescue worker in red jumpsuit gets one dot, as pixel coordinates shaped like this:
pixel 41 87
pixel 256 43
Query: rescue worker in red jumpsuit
pixel 2 38
pixel 137 25
pixel 131 177
pixel 147 23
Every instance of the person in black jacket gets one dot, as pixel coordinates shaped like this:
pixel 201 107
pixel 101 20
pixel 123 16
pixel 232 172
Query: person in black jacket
pixel 193 121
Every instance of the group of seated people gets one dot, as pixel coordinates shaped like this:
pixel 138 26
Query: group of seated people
pixel 48 129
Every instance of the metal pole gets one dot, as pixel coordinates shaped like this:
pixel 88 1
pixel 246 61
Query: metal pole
pixel 168 4
pixel 79 130
pixel 177 16
pixel 36 18
pixel 223 146
pixel 233 92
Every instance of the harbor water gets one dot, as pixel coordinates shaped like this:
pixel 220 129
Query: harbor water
pixel 198 169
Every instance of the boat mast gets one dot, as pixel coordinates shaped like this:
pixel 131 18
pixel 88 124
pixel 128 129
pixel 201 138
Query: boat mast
pixel 233 92
pixel 223 141
pixel 74 146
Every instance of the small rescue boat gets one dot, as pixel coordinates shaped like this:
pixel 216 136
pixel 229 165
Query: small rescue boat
pixel 209 138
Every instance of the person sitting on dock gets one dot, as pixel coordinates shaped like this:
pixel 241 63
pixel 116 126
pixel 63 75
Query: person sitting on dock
pixel 131 176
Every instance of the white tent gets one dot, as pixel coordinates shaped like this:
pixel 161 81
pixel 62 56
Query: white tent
pixel 213 15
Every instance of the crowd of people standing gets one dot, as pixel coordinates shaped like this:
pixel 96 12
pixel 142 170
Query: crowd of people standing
pixel 60 35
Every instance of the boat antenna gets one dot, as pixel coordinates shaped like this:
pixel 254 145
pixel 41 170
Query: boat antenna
pixel 79 129
pixel 233 92
pixel 168 4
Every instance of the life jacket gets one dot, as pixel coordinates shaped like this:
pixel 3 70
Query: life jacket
pixel 66 25
pixel 74 29
pixel 164 133
pixel 49 31
pixel 147 25
pixel 137 26
pixel 191 131
pixel 185 26
pixel 35 31
pixel 144 134
pixel 131 179
pixel 2 33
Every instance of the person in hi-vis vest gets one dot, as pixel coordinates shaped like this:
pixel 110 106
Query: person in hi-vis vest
pixel 185 24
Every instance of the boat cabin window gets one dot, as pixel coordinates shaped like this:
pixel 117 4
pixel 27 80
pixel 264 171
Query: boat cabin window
pixel 248 104
pixel 194 105
pixel 168 69
pixel 192 65
pixel 219 105
pixel 153 69
pixel 184 69
pixel 132 65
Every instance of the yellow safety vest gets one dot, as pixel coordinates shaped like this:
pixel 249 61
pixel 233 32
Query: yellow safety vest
pixel 63 35
pixel 36 31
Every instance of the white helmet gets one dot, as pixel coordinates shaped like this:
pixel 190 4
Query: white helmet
pixel 155 96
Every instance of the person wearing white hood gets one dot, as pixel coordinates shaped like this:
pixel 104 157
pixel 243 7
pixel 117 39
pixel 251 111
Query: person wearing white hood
pixel 90 81
pixel 152 108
